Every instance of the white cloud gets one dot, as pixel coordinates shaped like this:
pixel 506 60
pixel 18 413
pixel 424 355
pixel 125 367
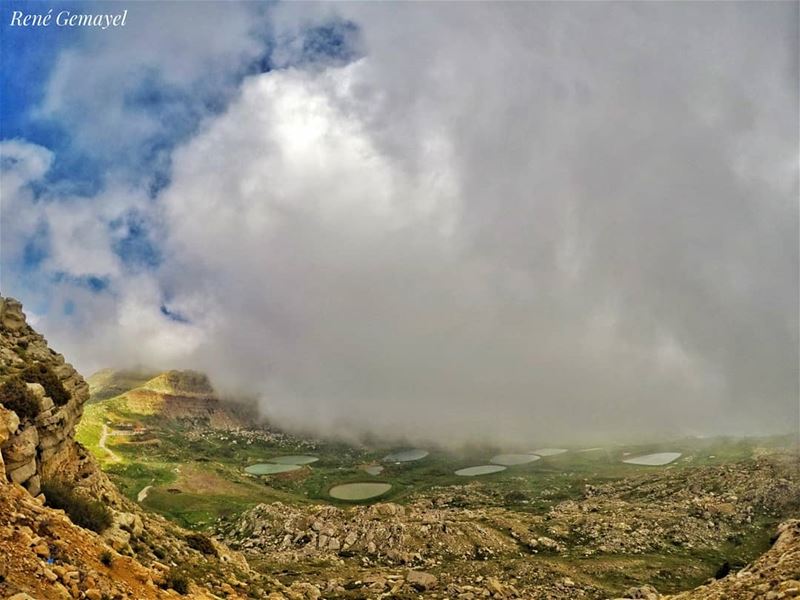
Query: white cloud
pixel 504 221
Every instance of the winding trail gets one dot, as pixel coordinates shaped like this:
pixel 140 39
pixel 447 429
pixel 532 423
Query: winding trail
pixel 142 496
pixel 112 456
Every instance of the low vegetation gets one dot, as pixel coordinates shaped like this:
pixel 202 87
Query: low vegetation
pixel 44 375
pixel 176 580
pixel 90 514
pixel 16 396
pixel 201 543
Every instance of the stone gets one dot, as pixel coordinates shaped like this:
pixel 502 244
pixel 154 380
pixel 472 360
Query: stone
pixel 20 448
pixel 43 401
pixel 646 592
pixel 11 315
pixel 23 472
pixel 9 424
pixel 34 485
pixel 93 594
pixel 42 549
pixel 421 581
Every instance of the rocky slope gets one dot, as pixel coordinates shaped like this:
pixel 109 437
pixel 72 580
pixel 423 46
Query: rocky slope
pixel 44 553
pixel 472 544
pixel 775 575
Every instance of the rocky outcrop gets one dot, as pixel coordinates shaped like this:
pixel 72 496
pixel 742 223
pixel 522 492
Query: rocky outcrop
pixel 773 576
pixel 42 552
pixel 43 446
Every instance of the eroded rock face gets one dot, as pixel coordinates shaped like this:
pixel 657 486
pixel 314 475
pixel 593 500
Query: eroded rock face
pixel 45 446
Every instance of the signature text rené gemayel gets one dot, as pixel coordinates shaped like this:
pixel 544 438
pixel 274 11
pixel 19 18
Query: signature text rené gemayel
pixel 66 18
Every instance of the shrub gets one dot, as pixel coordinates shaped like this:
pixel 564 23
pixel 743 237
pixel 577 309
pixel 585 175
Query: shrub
pixel 724 569
pixel 201 542
pixel 515 497
pixel 86 513
pixel 16 396
pixel 106 558
pixel 177 581
pixel 44 375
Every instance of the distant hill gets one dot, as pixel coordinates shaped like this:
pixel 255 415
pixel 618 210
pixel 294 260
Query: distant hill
pixel 185 396
pixel 108 383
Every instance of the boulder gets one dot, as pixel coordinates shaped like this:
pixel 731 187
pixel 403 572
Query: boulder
pixel 43 401
pixel 421 581
pixel 646 592
pixel 9 424
pixel 34 485
pixel 21 448
pixel 11 316
pixel 22 473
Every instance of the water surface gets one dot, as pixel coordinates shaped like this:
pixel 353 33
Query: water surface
pixel 654 460
pixel 406 455
pixel 549 451
pixel 509 460
pixel 270 469
pixel 294 459
pixel 359 491
pixel 480 470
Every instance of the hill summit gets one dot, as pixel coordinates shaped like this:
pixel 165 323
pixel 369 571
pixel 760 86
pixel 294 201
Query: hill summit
pixel 180 395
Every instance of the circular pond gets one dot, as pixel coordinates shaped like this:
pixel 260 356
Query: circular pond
pixel 374 469
pixel 654 460
pixel 549 451
pixel 295 459
pixel 359 491
pixel 270 469
pixel 480 470
pixel 509 460
pixel 406 455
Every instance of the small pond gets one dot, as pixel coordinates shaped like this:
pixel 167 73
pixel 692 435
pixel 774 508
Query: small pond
pixel 406 455
pixel 295 459
pixel 373 469
pixel 509 460
pixel 480 470
pixel 359 491
pixel 549 451
pixel 654 460
pixel 270 469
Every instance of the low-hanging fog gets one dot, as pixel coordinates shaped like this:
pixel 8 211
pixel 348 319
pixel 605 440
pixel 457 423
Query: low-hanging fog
pixel 516 222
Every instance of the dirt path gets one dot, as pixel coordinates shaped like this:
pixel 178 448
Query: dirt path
pixel 112 456
pixel 142 496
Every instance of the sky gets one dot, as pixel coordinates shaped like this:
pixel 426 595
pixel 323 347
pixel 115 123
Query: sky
pixel 513 223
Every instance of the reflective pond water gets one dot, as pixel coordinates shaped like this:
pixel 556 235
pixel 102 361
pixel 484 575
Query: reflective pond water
pixel 654 460
pixel 549 451
pixel 480 470
pixel 406 455
pixel 510 460
pixel 359 491
pixel 294 459
pixel 270 469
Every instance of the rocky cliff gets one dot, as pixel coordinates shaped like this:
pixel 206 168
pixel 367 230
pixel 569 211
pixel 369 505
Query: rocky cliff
pixel 41 445
pixel 44 554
